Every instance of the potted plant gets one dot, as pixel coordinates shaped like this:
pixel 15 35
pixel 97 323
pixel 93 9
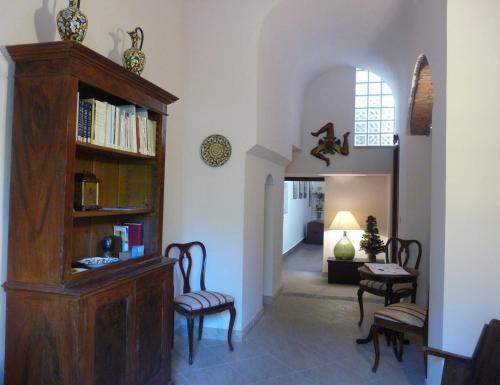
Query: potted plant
pixel 371 243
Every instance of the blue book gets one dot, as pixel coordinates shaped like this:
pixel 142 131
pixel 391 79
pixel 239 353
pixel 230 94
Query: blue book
pixel 81 120
pixel 88 121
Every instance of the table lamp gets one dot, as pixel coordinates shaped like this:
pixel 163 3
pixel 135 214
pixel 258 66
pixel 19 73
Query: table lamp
pixel 344 220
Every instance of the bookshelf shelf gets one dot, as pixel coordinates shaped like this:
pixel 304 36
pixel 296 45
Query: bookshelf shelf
pixel 110 213
pixel 123 310
pixel 111 152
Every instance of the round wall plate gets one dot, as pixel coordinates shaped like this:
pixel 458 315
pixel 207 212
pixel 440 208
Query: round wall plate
pixel 215 150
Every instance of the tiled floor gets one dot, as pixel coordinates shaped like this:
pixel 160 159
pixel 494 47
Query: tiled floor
pixel 306 337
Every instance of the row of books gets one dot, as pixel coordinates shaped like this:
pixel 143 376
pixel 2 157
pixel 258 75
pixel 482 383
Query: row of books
pixel 124 127
pixel 131 234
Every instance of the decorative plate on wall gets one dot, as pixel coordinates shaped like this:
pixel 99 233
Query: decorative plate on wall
pixel 215 150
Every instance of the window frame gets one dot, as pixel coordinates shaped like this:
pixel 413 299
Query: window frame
pixel 368 111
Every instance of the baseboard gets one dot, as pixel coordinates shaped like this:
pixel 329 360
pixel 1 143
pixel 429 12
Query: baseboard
pixel 269 299
pixel 291 250
pixel 216 333
pixel 252 323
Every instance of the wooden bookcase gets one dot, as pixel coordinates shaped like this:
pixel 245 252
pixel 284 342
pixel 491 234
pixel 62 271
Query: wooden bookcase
pixel 110 325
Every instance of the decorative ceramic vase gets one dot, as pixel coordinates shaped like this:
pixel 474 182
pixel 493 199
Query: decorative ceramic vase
pixel 133 58
pixel 72 23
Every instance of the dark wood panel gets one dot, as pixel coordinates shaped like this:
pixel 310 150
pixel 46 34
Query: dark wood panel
pixel 110 336
pixel 150 326
pixel 110 352
pixel 38 189
pixel 40 340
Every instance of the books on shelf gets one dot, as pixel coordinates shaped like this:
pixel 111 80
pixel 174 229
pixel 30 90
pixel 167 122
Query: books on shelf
pixel 125 127
pixel 131 234
pixel 122 232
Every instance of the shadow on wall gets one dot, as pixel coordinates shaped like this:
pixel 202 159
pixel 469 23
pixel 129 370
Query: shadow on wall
pixel 45 22
pixel 118 45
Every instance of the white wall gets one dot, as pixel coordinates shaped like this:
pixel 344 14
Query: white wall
pixel 362 196
pixel 423 159
pixel 471 267
pixel 33 21
pixel 220 47
pixel 330 98
pixel 294 222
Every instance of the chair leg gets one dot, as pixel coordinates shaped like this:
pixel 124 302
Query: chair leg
pixel 173 330
pixel 200 327
pixel 414 297
pixel 190 327
pixel 232 312
pixel 361 311
pixel 401 340
pixel 394 342
pixel 376 347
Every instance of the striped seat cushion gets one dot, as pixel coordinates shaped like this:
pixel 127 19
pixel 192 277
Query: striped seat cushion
pixel 407 313
pixel 202 300
pixel 396 288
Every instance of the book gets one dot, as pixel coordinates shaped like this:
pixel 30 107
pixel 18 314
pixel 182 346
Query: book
pixel 99 123
pixel 135 233
pixel 129 134
pixel 151 137
pixel 122 232
pixel 80 130
pixel 91 124
pixel 137 251
pixel 88 119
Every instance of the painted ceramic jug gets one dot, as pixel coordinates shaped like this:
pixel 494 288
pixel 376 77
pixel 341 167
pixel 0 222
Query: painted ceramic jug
pixel 133 58
pixel 72 23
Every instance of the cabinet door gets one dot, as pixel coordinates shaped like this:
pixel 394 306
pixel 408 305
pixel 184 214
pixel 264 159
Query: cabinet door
pixel 110 333
pixel 154 327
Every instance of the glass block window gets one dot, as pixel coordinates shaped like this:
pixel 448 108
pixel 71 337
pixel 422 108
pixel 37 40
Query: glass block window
pixel 373 111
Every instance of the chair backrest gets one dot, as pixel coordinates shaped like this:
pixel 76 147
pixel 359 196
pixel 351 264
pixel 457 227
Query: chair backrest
pixel 399 251
pixel 185 255
pixel 486 357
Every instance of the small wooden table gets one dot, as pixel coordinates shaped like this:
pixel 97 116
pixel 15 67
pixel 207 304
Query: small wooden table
pixel 389 280
pixel 345 272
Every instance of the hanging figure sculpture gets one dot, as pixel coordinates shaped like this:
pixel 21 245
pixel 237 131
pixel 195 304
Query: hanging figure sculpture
pixel 329 144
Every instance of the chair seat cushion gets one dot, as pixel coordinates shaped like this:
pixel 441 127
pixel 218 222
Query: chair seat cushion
pixel 407 313
pixel 203 299
pixel 377 285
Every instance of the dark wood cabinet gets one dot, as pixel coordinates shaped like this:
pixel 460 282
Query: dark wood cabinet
pixel 315 232
pixel 110 325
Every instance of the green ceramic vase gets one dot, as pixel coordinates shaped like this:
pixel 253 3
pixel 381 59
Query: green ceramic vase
pixel 134 59
pixel 72 23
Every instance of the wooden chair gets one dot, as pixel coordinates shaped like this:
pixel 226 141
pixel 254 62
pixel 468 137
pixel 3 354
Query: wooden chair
pixel 395 248
pixel 483 368
pixel 192 304
pixel 396 320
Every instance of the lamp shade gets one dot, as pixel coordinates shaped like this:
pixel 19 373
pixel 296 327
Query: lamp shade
pixel 344 220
